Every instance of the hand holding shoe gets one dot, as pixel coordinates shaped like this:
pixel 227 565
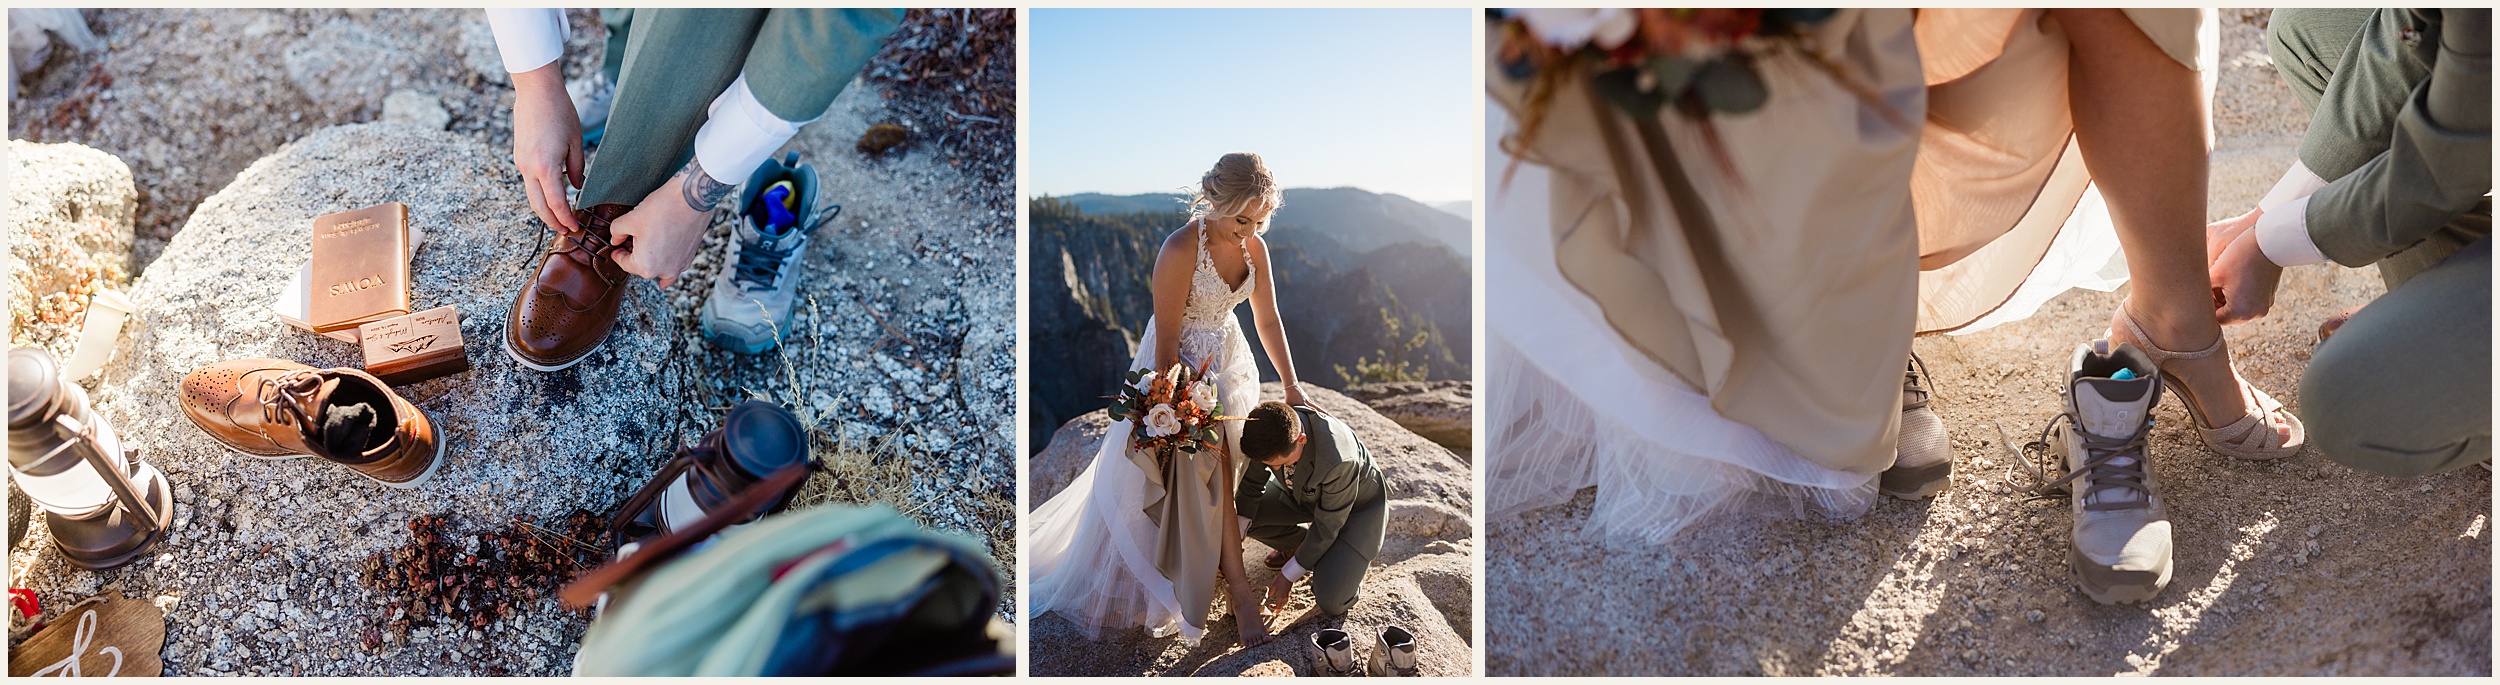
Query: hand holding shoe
pixel 2247 279
pixel 1279 593
pixel 2220 234
pixel 658 240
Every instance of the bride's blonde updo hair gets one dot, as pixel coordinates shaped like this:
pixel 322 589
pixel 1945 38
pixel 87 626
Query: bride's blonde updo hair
pixel 1238 180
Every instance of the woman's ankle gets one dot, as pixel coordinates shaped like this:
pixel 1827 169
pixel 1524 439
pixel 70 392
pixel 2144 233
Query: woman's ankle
pixel 2169 331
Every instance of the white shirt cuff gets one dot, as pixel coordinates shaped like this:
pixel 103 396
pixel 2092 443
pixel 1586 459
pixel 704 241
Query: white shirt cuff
pixel 740 134
pixel 528 38
pixel 2298 182
pixel 2283 234
pixel 1293 570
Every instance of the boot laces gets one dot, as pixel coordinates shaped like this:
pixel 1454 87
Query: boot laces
pixel 2101 470
pixel 759 262
pixel 1914 380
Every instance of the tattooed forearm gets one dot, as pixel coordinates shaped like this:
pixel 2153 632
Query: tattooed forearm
pixel 702 193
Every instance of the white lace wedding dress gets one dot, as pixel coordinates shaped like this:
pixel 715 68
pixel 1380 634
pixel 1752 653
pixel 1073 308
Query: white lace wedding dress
pixel 1094 553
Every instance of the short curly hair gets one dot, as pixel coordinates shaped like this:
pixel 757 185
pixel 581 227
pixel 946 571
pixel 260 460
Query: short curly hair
pixel 1271 431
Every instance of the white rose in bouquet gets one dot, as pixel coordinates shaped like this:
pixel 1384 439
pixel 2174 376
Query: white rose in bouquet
pixel 1568 29
pixel 1147 383
pixel 1162 421
pixel 1202 393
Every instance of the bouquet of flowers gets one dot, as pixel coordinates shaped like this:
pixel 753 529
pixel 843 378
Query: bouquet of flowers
pixel 1695 62
pixel 1699 61
pixel 1176 411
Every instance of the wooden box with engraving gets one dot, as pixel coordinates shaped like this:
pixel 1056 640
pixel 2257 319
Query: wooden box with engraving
pixel 415 347
pixel 359 267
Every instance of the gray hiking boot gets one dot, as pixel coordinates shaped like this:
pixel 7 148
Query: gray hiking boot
pixel 749 308
pixel 2121 547
pixel 1922 463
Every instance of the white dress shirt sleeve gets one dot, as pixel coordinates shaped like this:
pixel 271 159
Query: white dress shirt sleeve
pixel 1293 570
pixel 2283 231
pixel 528 38
pixel 2283 234
pixel 740 134
pixel 2298 182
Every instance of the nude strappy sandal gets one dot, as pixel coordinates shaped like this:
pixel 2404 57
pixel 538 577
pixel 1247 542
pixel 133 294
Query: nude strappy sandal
pixel 2253 436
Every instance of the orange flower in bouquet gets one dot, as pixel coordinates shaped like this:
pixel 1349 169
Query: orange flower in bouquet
pixel 1176 411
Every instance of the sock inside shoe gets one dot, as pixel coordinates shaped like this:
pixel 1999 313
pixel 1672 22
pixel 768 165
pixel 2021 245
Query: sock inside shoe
pixel 357 419
pixel 348 429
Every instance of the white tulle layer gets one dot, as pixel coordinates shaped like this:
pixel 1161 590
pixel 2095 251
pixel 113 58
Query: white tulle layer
pixel 1090 550
pixel 1571 406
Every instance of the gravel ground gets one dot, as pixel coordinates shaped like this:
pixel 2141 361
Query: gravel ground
pixel 2294 567
pixel 900 334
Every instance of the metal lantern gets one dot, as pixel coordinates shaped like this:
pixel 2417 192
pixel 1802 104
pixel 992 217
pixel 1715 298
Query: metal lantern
pixel 103 505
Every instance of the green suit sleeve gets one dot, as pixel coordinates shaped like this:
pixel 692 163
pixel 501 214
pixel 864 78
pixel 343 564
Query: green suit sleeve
pixel 2431 158
pixel 1337 496
pixel 802 58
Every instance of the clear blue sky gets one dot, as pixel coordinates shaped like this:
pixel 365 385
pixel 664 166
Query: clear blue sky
pixel 1139 100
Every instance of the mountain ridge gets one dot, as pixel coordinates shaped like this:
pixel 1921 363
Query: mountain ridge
pixel 1347 296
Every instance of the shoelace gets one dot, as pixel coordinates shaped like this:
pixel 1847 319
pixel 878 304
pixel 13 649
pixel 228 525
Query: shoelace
pixel 595 243
pixel 760 265
pixel 284 399
pixel 2099 452
pixel 1914 380
pixel 766 266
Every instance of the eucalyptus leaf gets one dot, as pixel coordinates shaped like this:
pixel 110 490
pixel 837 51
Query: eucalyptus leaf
pixel 1673 75
pixel 1623 88
pixel 1731 86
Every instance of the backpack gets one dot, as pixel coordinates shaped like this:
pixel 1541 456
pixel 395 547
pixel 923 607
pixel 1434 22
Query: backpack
pixel 833 590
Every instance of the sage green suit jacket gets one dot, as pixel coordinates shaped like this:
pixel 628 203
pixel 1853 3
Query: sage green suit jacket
pixel 2402 130
pixel 1335 478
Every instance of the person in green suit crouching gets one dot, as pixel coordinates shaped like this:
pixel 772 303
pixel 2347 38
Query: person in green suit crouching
pixel 1309 491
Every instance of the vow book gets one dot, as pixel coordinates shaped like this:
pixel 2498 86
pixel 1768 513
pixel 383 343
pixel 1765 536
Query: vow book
pixel 359 267
pixel 375 242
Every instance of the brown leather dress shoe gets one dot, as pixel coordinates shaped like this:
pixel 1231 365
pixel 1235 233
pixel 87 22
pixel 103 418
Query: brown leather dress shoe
pixel 278 409
pixel 567 310
pixel 2336 323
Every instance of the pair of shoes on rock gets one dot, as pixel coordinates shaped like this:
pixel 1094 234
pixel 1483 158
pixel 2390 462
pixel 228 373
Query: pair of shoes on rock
pixel 570 305
pixel 275 409
pixel 1392 655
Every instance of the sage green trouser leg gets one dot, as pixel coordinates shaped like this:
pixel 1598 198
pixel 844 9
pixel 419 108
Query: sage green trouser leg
pixel 2310 48
pixel 2306 43
pixel 675 61
pixel 2404 388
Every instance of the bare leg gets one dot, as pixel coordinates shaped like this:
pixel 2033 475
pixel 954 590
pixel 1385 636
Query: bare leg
pixel 2140 119
pixel 1247 612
